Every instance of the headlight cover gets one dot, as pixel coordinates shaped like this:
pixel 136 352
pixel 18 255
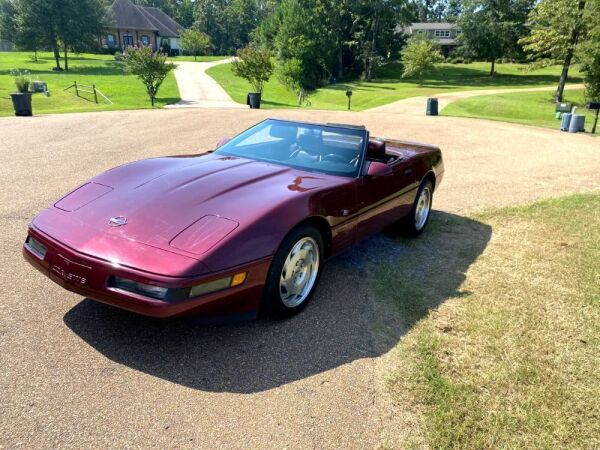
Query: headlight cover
pixel 146 290
pixel 37 248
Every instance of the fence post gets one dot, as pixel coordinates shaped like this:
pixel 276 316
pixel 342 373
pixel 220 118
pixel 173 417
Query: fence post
pixel 95 94
pixel 76 89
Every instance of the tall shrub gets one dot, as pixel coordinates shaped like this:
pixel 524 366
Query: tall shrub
pixel 149 66
pixel 254 65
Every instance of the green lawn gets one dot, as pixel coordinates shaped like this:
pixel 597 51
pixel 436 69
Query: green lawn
pixel 496 323
pixel 390 87
pixel 529 108
pixel 125 91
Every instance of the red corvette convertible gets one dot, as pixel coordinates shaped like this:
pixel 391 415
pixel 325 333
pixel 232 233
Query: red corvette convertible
pixel 242 229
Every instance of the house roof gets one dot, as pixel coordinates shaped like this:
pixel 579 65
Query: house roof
pixel 124 14
pixel 166 25
pixel 432 26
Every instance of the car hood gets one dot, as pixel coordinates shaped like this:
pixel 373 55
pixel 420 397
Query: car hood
pixel 181 204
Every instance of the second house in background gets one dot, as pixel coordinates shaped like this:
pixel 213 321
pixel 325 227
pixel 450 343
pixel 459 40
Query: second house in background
pixel 443 32
pixel 127 24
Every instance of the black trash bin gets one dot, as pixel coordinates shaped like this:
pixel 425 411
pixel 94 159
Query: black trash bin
pixel 22 103
pixel 432 107
pixel 253 100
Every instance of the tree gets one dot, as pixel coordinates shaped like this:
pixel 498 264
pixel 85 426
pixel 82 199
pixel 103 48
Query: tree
pixel 291 76
pixel 333 38
pixel 185 13
pixel 254 65
pixel 194 42
pixel 304 34
pixel 8 12
pixel 376 35
pixel 419 58
pixel 167 6
pixel 556 29
pixel 36 22
pixel 431 10
pixel 588 52
pixel 24 39
pixel 79 25
pixel 491 29
pixel 46 23
pixel 228 23
pixel 149 66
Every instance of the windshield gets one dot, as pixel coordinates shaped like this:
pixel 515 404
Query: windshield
pixel 317 148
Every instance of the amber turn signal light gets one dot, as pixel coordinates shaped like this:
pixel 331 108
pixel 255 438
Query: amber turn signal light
pixel 238 279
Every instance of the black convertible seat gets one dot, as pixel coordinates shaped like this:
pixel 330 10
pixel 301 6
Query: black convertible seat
pixel 376 151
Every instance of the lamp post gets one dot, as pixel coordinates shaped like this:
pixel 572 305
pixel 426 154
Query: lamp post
pixel 349 95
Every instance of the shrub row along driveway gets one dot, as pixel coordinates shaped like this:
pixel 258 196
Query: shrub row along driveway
pixel 76 373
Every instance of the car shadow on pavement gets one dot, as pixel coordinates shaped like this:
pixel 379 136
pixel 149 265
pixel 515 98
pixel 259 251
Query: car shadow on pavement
pixel 341 324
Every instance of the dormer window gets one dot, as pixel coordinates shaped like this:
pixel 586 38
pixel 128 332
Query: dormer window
pixel 442 33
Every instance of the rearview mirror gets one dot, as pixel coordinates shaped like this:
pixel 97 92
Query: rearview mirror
pixel 379 169
pixel 223 141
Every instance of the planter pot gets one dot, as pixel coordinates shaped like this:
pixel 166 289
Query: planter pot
pixel 22 103
pixel 253 100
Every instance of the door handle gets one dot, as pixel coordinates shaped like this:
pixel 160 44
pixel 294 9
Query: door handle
pixel 408 172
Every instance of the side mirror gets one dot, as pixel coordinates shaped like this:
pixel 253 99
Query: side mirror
pixel 223 141
pixel 379 169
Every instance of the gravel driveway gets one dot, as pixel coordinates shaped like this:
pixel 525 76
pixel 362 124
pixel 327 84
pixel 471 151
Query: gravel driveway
pixel 79 374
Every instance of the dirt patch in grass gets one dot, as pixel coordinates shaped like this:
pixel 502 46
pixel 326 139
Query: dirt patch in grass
pixel 511 358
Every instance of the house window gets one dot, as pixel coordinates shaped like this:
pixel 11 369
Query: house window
pixel 144 39
pixel 110 40
pixel 127 40
pixel 442 33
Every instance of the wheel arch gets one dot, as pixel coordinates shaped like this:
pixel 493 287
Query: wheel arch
pixel 431 177
pixel 321 224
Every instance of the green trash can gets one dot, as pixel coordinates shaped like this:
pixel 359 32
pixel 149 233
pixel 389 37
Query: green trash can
pixel 432 107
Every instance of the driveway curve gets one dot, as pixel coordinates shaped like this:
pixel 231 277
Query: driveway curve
pixel 79 374
pixel 415 106
pixel 199 90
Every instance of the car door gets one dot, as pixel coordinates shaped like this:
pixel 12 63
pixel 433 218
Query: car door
pixel 382 200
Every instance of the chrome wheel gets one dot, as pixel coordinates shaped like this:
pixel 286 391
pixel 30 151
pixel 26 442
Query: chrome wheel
pixel 299 272
pixel 423 208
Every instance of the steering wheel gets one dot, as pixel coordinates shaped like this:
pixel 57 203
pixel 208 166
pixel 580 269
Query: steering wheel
pixel 334 158
pixel 299 149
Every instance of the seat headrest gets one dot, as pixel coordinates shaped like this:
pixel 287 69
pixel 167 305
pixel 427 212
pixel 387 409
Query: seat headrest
pixel 311 142
pixel 376 149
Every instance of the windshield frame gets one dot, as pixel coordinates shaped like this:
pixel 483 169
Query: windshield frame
pixel 352 130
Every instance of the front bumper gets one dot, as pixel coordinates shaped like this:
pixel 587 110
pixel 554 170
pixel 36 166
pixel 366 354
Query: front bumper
pixel 89 277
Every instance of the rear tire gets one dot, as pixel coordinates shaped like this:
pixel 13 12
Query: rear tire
pixel 414 224
pixel 294 272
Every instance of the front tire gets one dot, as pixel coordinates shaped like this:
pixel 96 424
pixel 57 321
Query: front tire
pixel 294 272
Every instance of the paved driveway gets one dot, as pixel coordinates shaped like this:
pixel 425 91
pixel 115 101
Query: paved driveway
pixel 79 374
pixel 198 90
pixel 416 105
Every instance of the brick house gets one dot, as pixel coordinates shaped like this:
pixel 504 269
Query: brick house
pixel 127 24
